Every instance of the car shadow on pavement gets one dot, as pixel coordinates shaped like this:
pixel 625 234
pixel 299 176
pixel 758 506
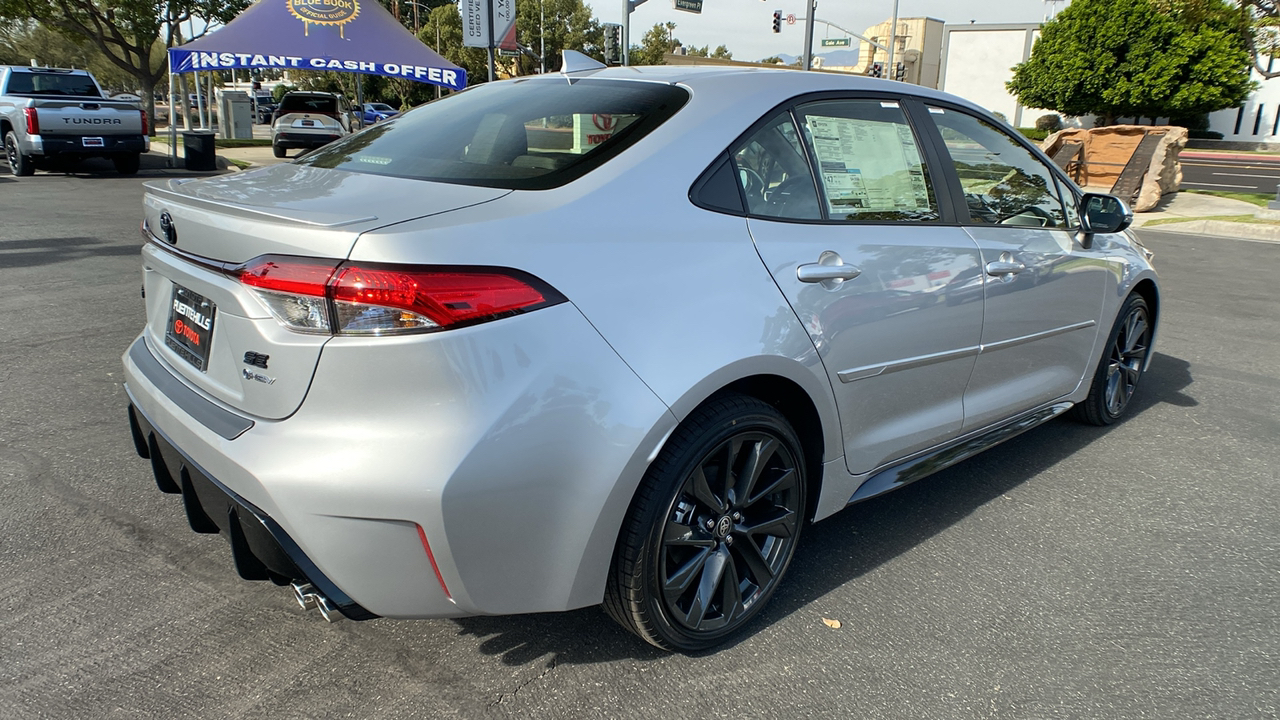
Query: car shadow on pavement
pixel 47 251
pixel 843 548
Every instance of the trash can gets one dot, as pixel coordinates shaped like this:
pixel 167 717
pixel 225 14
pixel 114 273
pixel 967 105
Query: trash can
pixel 198 150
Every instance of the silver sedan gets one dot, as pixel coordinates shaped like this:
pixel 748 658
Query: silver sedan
pixel 615 336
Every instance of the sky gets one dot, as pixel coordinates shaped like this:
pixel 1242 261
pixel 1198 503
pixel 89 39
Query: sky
pixel 745 25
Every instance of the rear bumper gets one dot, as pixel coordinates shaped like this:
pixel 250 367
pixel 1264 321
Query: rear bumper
pixel 513 448
pixel 54 145
pixel 303 140
pixel 260 548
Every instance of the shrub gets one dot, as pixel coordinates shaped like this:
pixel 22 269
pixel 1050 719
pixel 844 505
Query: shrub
pixel 1204 135
pixel 1050 123
pixel 1034 133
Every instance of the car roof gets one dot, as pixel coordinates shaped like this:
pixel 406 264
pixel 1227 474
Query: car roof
pixel 780 82
pixel 60 71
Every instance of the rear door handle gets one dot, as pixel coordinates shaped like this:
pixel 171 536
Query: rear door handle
pixel 1000 268
pixel 815 272
pixel 830 270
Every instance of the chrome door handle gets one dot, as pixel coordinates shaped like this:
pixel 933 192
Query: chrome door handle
pixel 813 272
pixel 1000 268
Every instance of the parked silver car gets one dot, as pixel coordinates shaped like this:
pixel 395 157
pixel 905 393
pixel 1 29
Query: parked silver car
pixel 307 120
pixel 544 344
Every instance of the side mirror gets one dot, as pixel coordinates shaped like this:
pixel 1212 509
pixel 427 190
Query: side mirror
pixel 1102 214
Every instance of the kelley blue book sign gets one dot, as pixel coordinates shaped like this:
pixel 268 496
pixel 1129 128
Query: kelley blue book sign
pixel 337 35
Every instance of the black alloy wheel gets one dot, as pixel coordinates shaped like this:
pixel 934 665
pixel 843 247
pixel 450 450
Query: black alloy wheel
pixel 713 527
pixel 19 164
pixel 1122 365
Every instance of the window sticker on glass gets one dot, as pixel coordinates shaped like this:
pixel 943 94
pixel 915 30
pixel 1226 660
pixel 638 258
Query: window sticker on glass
pixel 871 168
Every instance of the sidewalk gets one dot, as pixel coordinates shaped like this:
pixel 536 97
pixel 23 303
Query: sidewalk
pixel 1211 215
pixel 256 156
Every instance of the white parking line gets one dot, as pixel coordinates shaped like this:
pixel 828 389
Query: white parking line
pixel 1251 187
pixel 1273 177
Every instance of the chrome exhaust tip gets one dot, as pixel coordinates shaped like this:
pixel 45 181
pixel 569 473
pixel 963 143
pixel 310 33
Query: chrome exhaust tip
pixel 328 610
pixel 305 594
pixel 309 598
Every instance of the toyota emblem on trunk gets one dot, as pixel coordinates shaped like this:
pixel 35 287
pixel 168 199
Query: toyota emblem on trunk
pixel 167 229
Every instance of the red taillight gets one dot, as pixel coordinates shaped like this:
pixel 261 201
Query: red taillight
pixel 446 298
pixel 314 295
pixel 146 124
pixel 33 121
pixel 294 275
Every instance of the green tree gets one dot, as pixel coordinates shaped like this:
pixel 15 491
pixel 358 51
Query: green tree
pixel 658 41
pixel 1264 20
pixel 564 25
pixel 722 53
pixel 130 34
pixel 1138 58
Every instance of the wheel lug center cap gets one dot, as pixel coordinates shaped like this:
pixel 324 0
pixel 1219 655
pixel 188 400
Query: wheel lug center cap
pixel 723 527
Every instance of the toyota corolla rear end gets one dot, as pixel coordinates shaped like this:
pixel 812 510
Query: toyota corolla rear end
pixel 393 439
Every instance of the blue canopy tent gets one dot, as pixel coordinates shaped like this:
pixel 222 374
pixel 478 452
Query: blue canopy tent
pixel 338 35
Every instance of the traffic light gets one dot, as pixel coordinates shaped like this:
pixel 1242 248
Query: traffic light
pixel 612 44
pixel 900 72
pixel 777 21
pixel 877 70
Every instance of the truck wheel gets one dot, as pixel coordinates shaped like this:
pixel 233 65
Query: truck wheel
pixel 19 164
pixel 278 151
pixel 127 164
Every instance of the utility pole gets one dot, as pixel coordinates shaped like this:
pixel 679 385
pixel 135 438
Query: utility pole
pixel 629 6
pixel 808 33
pixel 889 70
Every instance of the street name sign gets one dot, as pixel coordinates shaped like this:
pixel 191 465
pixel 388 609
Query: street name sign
pixel 689 6
pixel 836 42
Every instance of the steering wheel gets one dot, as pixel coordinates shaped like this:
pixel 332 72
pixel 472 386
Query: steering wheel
pixel 752 184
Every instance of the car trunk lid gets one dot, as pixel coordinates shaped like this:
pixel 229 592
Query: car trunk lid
pixel 214 331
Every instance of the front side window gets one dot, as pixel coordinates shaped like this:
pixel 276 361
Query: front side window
pixel 869 165
pixel 774 173
pixel 526 135
pixel 1003 183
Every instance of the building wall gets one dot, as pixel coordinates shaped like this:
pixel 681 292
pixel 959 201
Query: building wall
pixel 1258 120
pixel 977 61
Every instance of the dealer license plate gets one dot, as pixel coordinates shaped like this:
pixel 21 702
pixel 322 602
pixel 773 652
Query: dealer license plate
pixel 91 141
pixel 190 327
pixel 308 123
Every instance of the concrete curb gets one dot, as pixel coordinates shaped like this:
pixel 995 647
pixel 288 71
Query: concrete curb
pixel 1224 229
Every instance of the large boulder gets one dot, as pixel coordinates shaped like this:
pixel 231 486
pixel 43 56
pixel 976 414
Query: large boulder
pixel 1108 149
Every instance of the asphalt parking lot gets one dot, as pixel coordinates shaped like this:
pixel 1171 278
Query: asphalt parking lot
pixel 1075 572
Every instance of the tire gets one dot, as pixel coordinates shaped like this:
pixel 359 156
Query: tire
pixel 127 164
pixel 278 151
pixel 19 164
pixel 1121 366
pixel 690 530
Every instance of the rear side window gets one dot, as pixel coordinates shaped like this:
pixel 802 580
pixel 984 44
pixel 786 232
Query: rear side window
pixel 30 83
pixel 869 165
pixel 527 135
pixel 308 104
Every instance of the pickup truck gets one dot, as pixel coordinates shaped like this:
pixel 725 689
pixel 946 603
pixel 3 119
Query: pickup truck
pixel 48 113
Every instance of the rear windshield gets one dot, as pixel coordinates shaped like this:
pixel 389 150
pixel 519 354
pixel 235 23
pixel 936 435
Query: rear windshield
pixel 30 83
pixel 529 134
pixel 308 104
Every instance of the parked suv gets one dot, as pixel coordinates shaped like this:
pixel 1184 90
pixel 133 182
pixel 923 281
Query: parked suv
pixel 310 120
